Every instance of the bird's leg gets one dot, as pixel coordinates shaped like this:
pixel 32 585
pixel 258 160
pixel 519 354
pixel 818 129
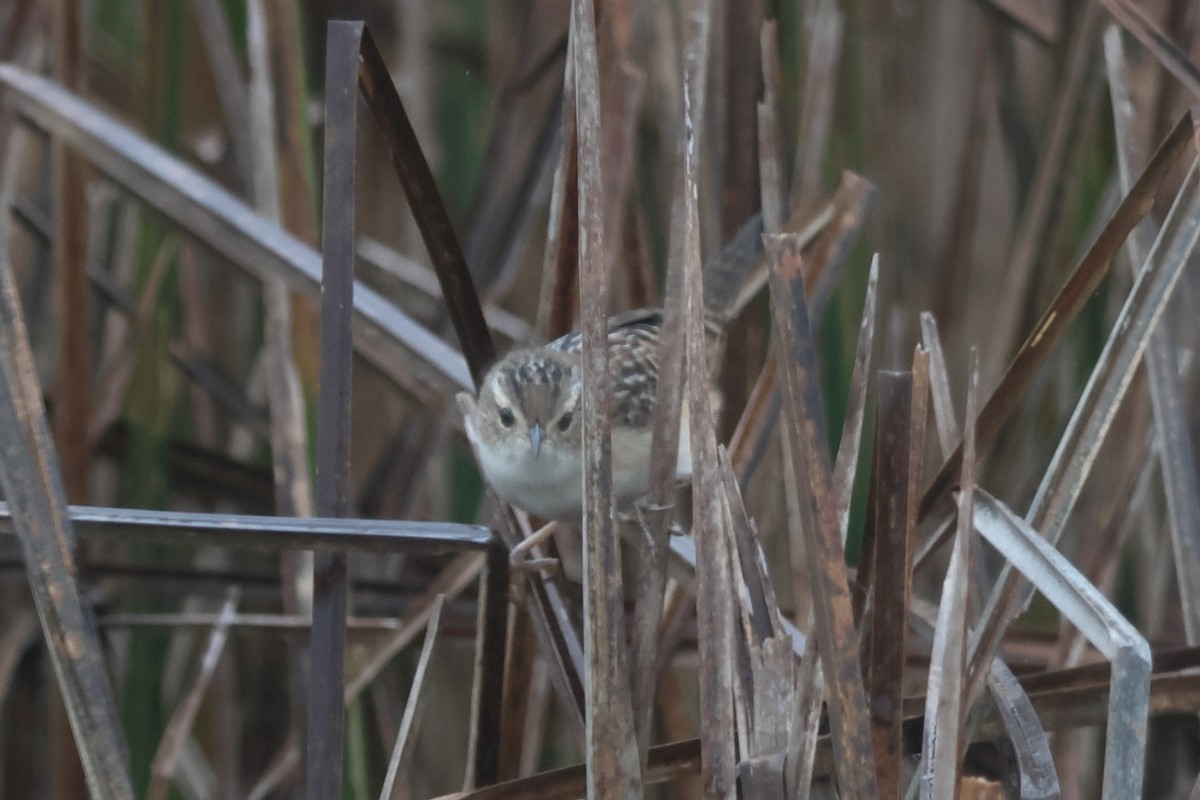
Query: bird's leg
pixel 519 561
pixel 547 566
pixel 518 556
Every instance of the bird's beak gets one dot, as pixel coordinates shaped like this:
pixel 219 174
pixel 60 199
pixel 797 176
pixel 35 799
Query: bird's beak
pixel 535 439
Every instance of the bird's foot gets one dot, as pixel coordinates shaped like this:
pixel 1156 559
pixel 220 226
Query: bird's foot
pixel 520 554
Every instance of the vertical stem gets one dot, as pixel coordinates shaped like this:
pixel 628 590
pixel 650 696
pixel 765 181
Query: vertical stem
pixel 885 680
pixel 489 678
pixel 612 762
pixel 73 407
pixel 72 390
pixel 325 712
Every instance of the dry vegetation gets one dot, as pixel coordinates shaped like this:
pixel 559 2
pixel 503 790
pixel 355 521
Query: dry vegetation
pixel 943 540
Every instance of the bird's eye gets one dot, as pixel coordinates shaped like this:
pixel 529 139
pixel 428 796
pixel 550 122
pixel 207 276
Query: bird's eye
pixel 506 417
pixel 564 421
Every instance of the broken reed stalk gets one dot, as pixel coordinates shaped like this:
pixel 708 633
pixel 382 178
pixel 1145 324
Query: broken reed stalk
pixel 836 634
pixel 845 466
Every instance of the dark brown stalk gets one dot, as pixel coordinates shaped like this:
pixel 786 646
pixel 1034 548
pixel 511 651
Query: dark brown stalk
pixel 829 233
pixel 836 635
pixel 73 406
pixel 892 557
pixel 551 622
pixel 324 745
pixel 425 202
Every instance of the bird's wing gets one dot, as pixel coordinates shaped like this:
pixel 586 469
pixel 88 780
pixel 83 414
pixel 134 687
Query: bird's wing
pixel 641 319
pixel 632 363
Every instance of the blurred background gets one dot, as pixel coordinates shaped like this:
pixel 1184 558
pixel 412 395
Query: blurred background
pixel 986 128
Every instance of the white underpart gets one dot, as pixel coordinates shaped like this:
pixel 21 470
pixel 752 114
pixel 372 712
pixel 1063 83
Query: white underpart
pixel 551 485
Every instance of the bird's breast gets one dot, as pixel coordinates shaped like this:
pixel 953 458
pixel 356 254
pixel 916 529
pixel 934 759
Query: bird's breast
pixel 550 486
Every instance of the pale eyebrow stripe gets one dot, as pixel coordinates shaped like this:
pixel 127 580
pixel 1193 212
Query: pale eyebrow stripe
pixel 502 396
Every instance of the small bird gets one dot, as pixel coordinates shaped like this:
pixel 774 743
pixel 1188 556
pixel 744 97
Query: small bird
pixel 527 428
